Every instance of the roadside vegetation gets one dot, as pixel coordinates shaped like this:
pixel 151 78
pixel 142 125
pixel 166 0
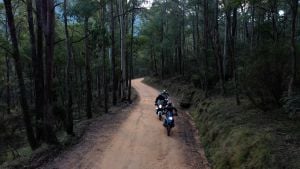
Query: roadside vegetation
pixel 234 136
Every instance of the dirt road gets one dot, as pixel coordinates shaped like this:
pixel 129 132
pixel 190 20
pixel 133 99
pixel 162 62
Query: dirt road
pixel 135 139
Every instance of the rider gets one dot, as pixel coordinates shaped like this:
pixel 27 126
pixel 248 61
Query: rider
pixel 165 94
pixel 171 108
pixel 162 96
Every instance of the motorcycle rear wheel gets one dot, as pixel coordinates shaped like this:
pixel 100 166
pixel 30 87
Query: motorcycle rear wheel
pixel 169 130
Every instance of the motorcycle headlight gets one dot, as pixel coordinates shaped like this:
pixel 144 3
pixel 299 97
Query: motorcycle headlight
pixel 170 118
pixel 160 106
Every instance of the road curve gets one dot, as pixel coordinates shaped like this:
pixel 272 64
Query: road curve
pixel 138 141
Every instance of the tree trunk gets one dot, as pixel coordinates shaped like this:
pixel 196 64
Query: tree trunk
pixel 217 48
pixel 113 52
pixel 131 52
pixel 88 71
pixel 39 76
pixel 103 49
pixel 7 62
pixel 205 47
pixel 274 11
pixel 162 51
pixel 122 49
pixel 19 71
pixel 294 7
pixel 233 54
pixel 8 97
pixel 225 48
pixel 252 27
pixel 69 74
pixel 38 83
pixel 48 17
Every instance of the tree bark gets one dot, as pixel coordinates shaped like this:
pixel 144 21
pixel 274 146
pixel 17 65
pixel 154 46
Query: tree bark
pixel 131 52
pixel 19 71
pixel 7 62
pixel 294 7
pixel 8 97
pixel 233 55
pixel 113 52
pixel 205 47
pixel 122 49
pixel 69 74
pixel 37 62
pixel 104 55
pixel 39 74
pixel 217 49
pixel 88 71
pixel 48 18
pixel 162 45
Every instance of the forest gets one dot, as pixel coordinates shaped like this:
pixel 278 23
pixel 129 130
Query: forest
pixel 66 61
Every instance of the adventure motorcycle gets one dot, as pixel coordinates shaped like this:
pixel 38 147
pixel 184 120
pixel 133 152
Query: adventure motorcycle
pixel 160 108
pixel 169 122
pixel 159 111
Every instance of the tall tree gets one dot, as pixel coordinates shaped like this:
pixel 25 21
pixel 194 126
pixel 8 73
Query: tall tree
pixel 89 97
pixel 294 8
pixel 69 74
pixel 217 48
pixel 131 50
pixel 38 65
pixel 19 71
pixel 122 20
pixel 205 44
pixel 48 18
pixel 113 53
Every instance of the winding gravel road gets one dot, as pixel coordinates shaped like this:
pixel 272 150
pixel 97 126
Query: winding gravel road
pixel 135 139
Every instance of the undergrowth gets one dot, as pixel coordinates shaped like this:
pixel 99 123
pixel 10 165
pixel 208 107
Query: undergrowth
pixel 238 137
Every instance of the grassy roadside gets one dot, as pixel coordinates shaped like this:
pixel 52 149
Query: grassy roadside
pixel 239 137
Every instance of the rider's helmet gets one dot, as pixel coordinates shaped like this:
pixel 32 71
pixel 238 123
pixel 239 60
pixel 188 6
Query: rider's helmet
pixel 164 91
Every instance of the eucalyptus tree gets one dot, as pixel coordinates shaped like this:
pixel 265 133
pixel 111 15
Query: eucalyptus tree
pixel 84 10
pixel 48 25
pixel 69 73
pixel 294 8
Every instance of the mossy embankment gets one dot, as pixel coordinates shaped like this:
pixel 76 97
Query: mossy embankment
pixel 238 137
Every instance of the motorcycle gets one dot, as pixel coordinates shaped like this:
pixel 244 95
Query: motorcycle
pixel 169 122
pixel 159 111
pixel 160 108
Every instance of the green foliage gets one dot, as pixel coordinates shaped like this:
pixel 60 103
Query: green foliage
pixel 264 76
pixel 84 8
